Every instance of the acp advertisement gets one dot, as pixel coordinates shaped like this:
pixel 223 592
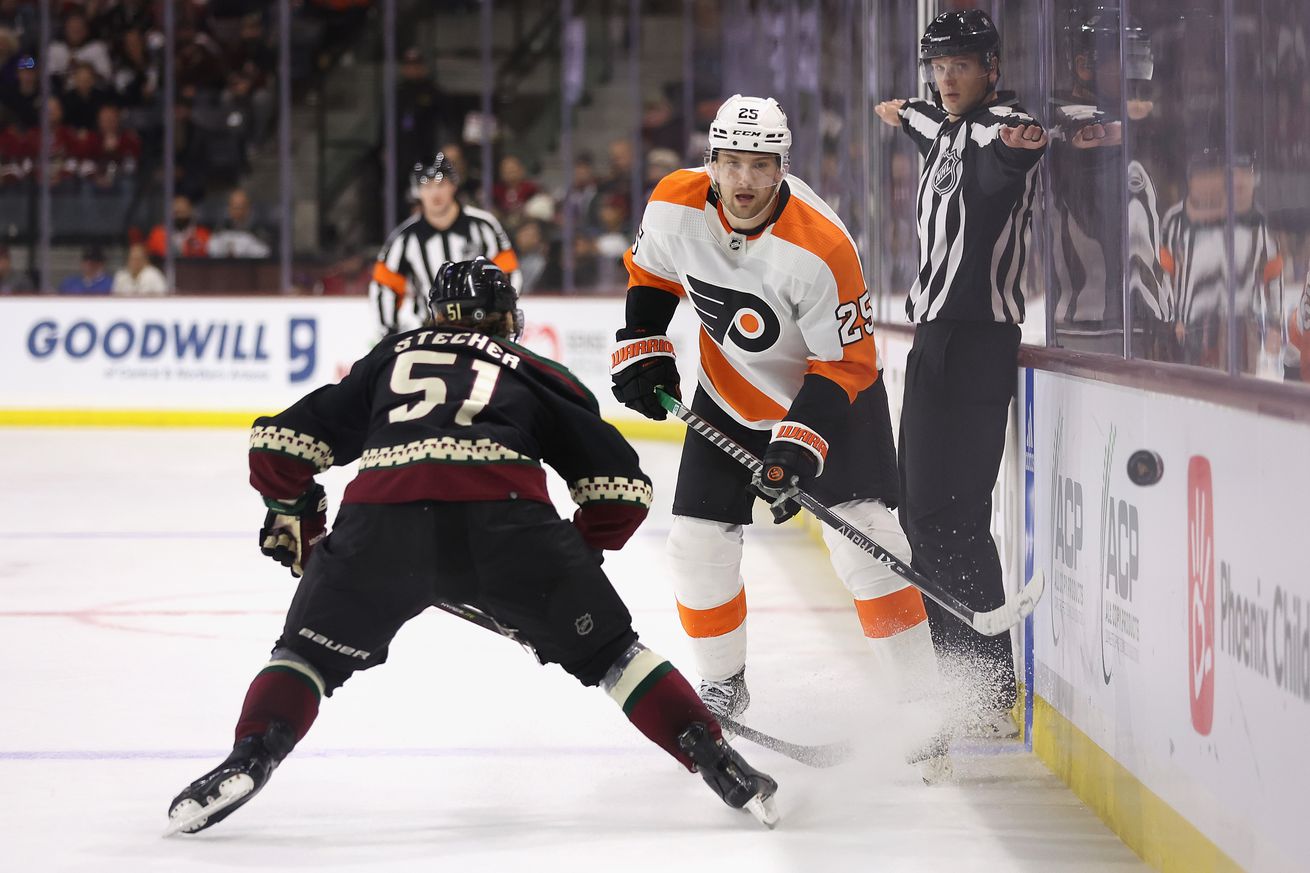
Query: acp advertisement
pixel 1175 631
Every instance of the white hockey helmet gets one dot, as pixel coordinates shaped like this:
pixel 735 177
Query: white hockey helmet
pixel 750 124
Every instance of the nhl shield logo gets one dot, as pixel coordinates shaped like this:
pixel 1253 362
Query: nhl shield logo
pixel 948 173
pixel 735 243
pixel 584 624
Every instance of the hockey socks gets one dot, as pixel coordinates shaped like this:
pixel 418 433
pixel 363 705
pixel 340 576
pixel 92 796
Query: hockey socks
pixel 287 690
pixel 657 699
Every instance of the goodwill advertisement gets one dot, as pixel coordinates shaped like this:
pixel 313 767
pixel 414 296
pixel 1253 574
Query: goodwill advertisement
pixel 256 354
pixel 1175 631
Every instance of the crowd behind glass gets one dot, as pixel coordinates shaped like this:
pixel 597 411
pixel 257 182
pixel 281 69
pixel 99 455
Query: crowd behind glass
pixel 1173 221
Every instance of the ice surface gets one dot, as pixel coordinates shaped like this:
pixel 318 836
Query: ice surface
pixel 136 608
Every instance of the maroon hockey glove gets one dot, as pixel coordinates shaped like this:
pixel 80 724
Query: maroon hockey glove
pixel 639 364
pixel 291 530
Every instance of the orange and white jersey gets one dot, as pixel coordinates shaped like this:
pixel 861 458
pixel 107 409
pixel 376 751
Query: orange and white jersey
pixel 774 306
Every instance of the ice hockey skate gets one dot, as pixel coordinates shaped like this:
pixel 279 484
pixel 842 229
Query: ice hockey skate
pixel 727 698
pixel 933 759
pixel 221 791
pixel 739 784
pixel 996 724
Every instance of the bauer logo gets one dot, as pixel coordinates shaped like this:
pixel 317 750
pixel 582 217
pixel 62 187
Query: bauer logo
pixel 1200 593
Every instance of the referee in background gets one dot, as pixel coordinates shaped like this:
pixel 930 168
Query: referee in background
pixel 980 152
pixel 442 229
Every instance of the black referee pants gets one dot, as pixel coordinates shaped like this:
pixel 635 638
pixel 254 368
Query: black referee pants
pixel 959 380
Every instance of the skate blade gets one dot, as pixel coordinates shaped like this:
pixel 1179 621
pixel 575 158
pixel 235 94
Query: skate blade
pixel 230 791
pixel 764 809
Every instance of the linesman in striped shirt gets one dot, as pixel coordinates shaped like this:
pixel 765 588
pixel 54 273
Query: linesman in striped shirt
pixel 980 152
pixel 442 230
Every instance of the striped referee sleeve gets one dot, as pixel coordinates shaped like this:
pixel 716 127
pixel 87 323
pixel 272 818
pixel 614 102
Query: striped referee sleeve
pixel 491 238
pixel 386 289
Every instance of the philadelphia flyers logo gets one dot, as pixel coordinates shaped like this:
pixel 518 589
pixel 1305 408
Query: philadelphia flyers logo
pixel 737 316
pixel 948 173
pixel 774 474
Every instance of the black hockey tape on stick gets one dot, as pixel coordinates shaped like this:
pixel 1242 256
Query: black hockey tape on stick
pixel 991 623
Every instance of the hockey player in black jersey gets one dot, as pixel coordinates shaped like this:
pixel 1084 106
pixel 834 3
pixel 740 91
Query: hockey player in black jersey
pixel 450 424
pixel 975 195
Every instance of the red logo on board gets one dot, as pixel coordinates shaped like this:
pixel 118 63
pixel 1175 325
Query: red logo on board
pixel 1200 593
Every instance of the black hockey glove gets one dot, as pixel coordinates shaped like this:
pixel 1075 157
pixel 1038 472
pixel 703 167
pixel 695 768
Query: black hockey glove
pixel 291 530
pixel 788 468
pixel 639 364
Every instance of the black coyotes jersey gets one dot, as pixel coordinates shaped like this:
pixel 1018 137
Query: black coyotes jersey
pixel 448 414
pixel 408 263
pixel 974 212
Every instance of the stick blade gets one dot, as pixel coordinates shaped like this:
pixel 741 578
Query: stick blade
pixel 1015 610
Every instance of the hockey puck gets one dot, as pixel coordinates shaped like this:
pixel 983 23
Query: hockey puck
pixel 1145 467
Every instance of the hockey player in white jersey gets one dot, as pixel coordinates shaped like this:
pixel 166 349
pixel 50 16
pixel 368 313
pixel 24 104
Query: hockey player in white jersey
pixel 788 369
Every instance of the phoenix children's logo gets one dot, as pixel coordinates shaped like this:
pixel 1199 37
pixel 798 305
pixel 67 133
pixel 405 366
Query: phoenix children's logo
pixel 728 314
pixel 1200 593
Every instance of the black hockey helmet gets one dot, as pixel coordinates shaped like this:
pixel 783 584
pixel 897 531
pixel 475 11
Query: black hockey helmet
pixel 471 292
pixel 959 33
pixel 432 169
pixel 1094 31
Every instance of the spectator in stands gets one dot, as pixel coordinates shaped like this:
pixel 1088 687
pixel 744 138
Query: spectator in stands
pixel 93 279
pixel 68 149
pixel 199 63
pixel 139 277
pixel 240 235
pixel 659 163
pixel 117 150
pixel 514 188
pixel 530 243
pixel 20 16
pixel 22 98
pixel 190 153
pixel 79 45
pixel 251 61
pixel 9 55
pixel 418 107
pixel 582 195
pixel 469 177
pixel 661 128
pixel 83 97
pixel 609 245
pixel 124 15
pixel 618 181
pixel 12 282
pixel 188 239
pixel 136 76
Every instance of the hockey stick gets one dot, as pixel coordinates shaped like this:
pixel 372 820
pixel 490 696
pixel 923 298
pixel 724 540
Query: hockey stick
pixel 815 756
pixel 826 755
pixel 482 620
pixel 990 623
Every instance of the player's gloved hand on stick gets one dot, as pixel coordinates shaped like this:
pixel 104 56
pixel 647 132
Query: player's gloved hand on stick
pixel 788 468
pixel 639 364
pixel 291 530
